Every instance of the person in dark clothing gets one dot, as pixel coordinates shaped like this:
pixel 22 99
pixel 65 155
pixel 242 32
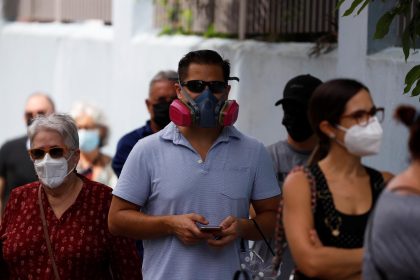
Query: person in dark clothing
pixel 161 94
pixel 293 151
pixel 16 168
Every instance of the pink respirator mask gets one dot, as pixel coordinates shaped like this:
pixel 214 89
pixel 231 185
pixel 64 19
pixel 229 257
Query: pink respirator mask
pixel 205 110
pixel 183 114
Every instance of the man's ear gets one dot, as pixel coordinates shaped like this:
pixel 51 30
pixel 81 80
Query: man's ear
pixel 327 129
pixel 228 89
pixel 148 105
pixel 178 90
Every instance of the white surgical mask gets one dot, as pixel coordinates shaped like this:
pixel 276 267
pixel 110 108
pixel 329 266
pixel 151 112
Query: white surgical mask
pixel 363 140
pixel 88 139
pixel 50 171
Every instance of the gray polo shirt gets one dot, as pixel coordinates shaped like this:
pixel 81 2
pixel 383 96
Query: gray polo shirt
pixel 166 176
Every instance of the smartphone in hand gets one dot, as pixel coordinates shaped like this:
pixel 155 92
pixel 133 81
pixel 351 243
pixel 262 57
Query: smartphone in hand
pixel 207 228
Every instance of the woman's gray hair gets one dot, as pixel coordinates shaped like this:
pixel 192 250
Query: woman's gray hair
pixel 82 108
pixel 61 123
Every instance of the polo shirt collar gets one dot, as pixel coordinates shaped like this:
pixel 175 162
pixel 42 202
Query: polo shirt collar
pixel 172 133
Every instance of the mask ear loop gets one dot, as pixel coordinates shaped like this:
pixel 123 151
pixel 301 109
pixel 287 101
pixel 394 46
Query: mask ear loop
pixel 74 167
pixel 195 111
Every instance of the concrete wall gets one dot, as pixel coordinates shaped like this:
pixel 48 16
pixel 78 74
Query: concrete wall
pixel 111 67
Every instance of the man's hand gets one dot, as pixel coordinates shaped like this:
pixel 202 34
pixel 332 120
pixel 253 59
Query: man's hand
pixel 230 231
pixel 185 228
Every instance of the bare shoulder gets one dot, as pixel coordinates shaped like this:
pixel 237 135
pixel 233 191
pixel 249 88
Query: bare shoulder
pixel 296 182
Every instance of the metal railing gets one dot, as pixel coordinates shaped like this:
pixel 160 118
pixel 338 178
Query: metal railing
pixel 57 10
pixel 271 20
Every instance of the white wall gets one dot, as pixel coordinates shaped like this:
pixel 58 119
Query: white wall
pixel 112 66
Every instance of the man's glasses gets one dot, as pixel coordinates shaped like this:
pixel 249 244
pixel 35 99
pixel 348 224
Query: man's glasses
pixel 198 86
pixel 362 116
pixel 31 115
pixel 55 152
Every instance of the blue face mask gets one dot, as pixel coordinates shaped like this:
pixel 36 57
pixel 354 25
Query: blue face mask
pixel 208 109
pixel 88 139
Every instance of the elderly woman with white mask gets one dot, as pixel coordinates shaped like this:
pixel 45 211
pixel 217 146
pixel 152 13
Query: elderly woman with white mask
pixel 56 228
pixel 93 134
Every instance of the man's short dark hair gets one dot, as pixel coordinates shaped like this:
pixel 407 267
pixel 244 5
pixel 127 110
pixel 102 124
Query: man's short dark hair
pixel 203 57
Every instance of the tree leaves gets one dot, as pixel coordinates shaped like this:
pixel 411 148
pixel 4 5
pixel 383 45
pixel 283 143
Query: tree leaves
pixel 412 76
pixel 405 41
pixel 354 5
pixel 382 26
pixel 408 37
pixel 416 90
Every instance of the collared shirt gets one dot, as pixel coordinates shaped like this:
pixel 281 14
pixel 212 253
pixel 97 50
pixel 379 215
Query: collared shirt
pixel 166 176
pixel 126 144
pixel 83 247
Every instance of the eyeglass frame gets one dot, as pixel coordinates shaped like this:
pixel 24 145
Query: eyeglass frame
pixel 371 113
pixel 47 151
pixel 31 115
pixel 208 84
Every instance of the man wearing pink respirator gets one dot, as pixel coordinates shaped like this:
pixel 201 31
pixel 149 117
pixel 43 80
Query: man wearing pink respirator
pixel 186 190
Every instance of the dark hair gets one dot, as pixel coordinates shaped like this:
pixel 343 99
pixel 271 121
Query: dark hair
pixel 203 57
pixel 410 117
pixel 328 103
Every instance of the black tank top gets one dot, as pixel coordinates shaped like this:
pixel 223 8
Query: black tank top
pixel 337 229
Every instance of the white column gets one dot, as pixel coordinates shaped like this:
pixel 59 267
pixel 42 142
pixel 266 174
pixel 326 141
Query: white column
pixel 130 17
pixel 352 43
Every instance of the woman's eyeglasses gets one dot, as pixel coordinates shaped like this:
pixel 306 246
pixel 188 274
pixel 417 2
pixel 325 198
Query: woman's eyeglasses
pixel 55 152
pixel 198 86
pixel 362 116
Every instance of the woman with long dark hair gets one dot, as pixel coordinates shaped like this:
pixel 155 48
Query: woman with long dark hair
pixel 325 225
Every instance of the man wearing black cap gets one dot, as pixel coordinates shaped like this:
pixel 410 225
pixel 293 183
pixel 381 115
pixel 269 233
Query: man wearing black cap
pixel 301 140
pixel 293 151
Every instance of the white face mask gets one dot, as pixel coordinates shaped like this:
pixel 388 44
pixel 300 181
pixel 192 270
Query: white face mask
pixel 50 171
pixel 363 140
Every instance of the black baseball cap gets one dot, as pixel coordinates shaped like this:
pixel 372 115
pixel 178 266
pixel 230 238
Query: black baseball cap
pixel 300 89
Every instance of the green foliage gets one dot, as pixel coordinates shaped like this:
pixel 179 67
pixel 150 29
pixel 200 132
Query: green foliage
pixel 408 39
pixel 180 21
pixel 382 27
pixel 354 5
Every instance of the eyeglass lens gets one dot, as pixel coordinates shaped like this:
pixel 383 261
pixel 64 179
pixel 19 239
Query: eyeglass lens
pixel 198 86
pixel 31 115
pixel 363 117
pixel 55 152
